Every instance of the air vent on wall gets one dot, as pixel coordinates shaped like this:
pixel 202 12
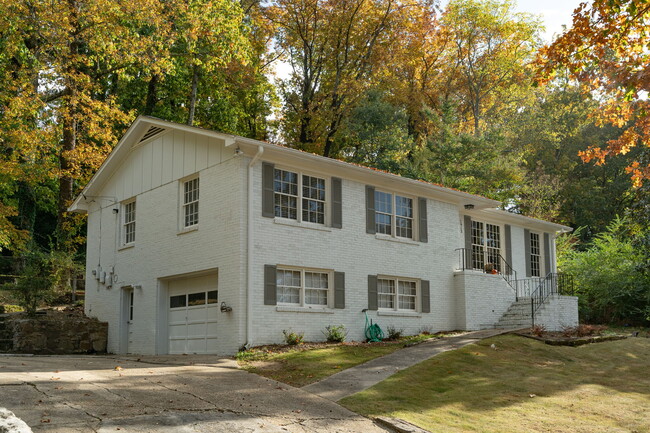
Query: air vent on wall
pixel 153 131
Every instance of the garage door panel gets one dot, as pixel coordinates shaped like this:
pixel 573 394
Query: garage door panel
pixel 192 322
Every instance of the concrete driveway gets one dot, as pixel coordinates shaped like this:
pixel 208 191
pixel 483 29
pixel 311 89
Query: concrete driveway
pixel 161 394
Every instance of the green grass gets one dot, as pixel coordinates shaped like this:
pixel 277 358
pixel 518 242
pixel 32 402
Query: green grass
pixel 300 365
pixel 522 386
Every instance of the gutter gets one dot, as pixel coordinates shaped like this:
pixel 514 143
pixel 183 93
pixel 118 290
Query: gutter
pixel 249 249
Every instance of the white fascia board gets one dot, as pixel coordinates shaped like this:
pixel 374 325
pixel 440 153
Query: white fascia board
pixel 524 221
pixel 361 174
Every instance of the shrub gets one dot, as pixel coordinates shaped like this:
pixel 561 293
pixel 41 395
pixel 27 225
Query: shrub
pixel 538 330
pixel 34 285
pixel 335 333
pixel 393 332
pixel 8 308
pixel 425 330
pixel 293 338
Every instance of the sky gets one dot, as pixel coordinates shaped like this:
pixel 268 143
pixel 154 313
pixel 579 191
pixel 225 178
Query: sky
pixel 554 13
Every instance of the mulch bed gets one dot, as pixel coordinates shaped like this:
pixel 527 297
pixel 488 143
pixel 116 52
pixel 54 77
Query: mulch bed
pixel 559 339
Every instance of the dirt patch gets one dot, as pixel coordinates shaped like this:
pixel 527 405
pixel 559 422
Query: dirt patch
pixel 578 336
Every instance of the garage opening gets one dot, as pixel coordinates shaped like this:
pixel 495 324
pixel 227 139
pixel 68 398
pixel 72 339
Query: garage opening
pixel 192 315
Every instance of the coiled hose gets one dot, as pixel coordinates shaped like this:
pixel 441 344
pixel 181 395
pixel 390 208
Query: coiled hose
pixel 373 332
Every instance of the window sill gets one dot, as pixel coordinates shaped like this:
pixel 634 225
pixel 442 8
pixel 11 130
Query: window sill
pixel 290 309
pixel 304 225
pixel 395 239
pixel 188 230
pixel 399 313
pixel 126 247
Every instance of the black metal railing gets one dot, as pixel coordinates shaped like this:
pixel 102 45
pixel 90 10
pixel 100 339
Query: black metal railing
pixel 487 262
pixel 552 284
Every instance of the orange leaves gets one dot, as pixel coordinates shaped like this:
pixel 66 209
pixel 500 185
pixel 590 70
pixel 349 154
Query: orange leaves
pixel 606 51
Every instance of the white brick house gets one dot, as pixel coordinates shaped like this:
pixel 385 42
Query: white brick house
pixel 203 242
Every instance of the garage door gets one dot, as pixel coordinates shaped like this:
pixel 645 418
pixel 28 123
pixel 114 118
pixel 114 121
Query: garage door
pixel 192 316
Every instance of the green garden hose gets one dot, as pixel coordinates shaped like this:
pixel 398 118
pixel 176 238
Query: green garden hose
pixel 373 332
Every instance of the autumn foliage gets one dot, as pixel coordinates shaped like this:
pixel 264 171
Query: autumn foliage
pixel 606 51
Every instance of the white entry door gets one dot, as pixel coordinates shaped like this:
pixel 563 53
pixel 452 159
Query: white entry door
pixel 192 318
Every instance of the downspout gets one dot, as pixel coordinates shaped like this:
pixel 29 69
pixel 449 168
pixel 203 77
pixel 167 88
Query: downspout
pixel 249 249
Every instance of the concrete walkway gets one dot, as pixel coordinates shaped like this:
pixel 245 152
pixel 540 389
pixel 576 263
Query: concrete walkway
pixel 363 376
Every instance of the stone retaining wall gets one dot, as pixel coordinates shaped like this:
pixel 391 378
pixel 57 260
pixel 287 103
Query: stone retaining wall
pixel 56 332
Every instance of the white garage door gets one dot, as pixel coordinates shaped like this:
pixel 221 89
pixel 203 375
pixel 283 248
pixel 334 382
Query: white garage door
pixel 192 316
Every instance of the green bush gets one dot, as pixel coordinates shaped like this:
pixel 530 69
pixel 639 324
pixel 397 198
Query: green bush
pixel 293 338
pixel 8 308
pixel 394 333
pixel 610 279
pixel 335 333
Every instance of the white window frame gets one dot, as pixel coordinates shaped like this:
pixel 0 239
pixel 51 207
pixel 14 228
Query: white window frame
pixel 182 205
pixel 486 250
pixel 394 217
pixel 125 224
pixel 538 256
pixel 303 288
pixel 300 197
pixel 396 295
pixel 186 205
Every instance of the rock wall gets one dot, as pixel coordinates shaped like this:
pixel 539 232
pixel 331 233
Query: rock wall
pixel 53 333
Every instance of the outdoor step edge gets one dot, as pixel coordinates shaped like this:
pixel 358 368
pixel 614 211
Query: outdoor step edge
pixel 399 425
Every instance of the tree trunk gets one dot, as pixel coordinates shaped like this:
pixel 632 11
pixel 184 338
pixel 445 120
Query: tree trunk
pixel 152 97
pixel 195 85
pixel 66 182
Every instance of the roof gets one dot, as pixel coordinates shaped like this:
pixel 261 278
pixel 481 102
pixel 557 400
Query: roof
pixel 146 127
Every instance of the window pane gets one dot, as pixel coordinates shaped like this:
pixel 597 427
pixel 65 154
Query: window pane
pixel 403 206
pixel 313 202
pixel 196 299
pixel 177 301
pixel 407 295
pixel 213 296
pixel 288 286
pixel 285 185
pixel 386 293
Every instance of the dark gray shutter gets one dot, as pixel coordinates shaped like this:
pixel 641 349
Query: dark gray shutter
pixel 339 289
pixel 508 242
pixel 423 226
pixel 370 210
pixel 547 253
pixel 337 215
pixel 267 190
pixel 372 292
pixel 424 296
pixel 269 285
pixel 527 251
pixel 467 224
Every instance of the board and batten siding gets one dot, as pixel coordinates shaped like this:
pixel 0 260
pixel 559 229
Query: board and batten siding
pixel 167 158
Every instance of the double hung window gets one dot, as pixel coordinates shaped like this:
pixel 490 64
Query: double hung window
pixel 393 215
pixel 486 245
pixel 396 294
pixel 190 203
pixel 535 255
pixel 128 223
pixel 299 196
pixel 303 287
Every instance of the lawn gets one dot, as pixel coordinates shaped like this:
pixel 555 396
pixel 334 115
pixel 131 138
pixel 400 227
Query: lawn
pixel 303 364
pixel 521 385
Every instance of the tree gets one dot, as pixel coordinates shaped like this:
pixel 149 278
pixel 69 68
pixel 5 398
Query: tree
pixel 336 49
pixel 606 52
pixel 490 48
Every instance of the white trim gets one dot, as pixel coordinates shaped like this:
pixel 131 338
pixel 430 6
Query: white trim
pixel 305 309
pixel 396 295
pixel 327 203
pixel 393 216
pixel 301 224
pixel 123 242
pixel 182 228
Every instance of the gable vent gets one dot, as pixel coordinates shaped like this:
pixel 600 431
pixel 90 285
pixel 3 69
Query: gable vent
pixel 152 132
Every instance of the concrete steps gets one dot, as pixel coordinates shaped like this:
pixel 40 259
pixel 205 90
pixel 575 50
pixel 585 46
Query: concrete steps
pixel 517 316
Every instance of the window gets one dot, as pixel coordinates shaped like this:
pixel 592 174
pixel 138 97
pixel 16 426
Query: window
pixel 299 197
pixel 392 210
pixel 303 287
pixel 128 223
pixel 535 253
pixel 486 245
pixel 191 202
pixel 396 294
pixel 193 299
